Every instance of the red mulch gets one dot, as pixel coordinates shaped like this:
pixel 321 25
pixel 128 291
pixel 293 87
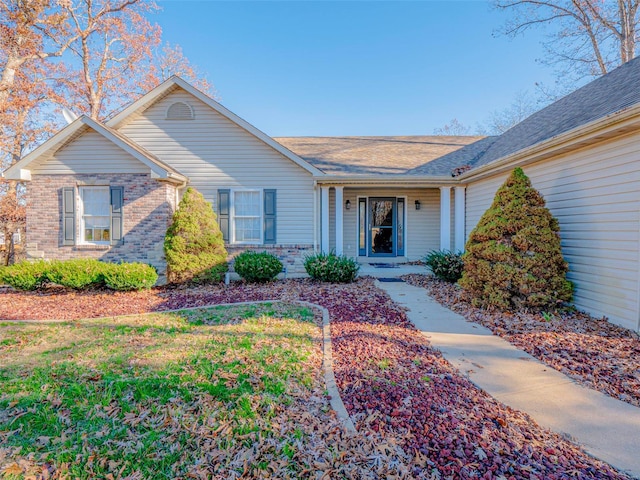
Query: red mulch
pixel 592 351
pixel 392 381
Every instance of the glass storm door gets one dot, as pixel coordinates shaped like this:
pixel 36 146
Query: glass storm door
pixel 382 226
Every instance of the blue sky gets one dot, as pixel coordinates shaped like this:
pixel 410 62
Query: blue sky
pixel 355 68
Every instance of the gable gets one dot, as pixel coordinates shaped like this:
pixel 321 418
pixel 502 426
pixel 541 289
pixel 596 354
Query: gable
pixel 170 86
pixel 209 144
pixel 87 146
pixel 89 153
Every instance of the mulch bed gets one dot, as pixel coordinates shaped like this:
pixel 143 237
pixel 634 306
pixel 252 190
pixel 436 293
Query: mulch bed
pixel 392 381
pixel 592 351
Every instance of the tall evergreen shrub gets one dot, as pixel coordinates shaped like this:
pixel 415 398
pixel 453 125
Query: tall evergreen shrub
pixel 513 258
pixel 193 245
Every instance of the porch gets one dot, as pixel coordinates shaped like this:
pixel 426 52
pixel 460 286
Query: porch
pixel 391 225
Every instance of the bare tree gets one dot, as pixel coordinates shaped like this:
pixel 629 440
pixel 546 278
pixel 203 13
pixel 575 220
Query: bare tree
pixel 170 60
pixel 500 121
pixel 113 48
pixel 453 128
pixel 586 38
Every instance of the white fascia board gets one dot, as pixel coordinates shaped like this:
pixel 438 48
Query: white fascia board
pixel 20 170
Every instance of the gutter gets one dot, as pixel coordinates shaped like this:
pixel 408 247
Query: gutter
pixel 612 124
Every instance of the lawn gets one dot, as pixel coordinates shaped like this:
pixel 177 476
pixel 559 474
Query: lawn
pixel 416 416
pixel 218 391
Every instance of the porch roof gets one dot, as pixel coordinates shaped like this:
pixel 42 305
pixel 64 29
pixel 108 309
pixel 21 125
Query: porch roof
pixel 373 156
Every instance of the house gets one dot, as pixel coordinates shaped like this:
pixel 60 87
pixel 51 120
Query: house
pixel 108 190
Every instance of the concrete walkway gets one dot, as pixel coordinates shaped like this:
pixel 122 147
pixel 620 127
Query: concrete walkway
pixel 606 428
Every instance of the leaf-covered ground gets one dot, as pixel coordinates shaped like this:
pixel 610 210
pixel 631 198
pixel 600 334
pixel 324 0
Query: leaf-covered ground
pixel 594 352
pixel 435 423
pixel 224 393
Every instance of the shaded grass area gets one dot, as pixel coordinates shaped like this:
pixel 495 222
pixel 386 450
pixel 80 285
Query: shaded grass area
pixel 159 395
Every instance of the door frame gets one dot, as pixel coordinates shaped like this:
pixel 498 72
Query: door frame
pixel 365 250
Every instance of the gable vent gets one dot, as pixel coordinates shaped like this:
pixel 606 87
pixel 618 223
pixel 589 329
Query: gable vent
pixel 179 111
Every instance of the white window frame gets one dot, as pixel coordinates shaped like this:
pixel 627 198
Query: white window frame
pixel 81 215
pixel 232 215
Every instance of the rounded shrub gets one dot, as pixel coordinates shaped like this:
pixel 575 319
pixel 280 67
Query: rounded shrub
pixel 257 267
pixel 25 275
pixel 129 276
pixel 78 273
pixel 513 257
pixel 329 267
pixel 193 245
pixel 445 265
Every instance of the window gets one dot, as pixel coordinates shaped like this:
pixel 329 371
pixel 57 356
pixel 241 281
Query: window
pixel 92 215
pixel 95 215
pixel 247 216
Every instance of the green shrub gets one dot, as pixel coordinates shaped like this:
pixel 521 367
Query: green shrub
pixel 77 274
pixel 193 245
pixel 329 267
pixel 257 267
pixel 445 265
pixel 25 275
pixel 513 258
pixel 130 276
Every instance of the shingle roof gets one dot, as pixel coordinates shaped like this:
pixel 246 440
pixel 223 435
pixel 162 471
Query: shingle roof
pixel 439 155
pixel 611 93
pixel 374 155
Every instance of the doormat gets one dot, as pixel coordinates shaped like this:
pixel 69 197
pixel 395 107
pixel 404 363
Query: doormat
pixel 391 280
pixel 384 265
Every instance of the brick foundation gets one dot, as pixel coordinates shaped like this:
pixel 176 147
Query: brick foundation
pixel 148 207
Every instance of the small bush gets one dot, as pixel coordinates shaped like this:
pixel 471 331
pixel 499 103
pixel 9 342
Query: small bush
pixel 25 275
pixel 130 276
pixel 77 274
pixel 193 245
pixel 329 267
pixel 257 267
pixel 445 265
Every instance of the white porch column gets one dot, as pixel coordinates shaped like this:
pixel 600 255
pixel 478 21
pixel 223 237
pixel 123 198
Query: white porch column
pixel 324 219
pixel 459 208
pixel 445 218
pixel 339 220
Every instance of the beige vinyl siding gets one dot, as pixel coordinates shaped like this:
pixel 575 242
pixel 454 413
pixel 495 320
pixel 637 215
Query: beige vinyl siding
pixel 90 153
pixel 216 153
pixel 594 194
pixel 422 227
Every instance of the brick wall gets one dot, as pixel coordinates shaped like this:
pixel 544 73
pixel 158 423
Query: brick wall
pixel 148 206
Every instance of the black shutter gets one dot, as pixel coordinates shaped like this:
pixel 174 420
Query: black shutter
pixel 68 216
pixel 117 203
pixel 270 216
pixel 223 213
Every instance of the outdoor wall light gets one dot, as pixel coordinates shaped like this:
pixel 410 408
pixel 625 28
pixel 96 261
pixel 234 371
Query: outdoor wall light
pixel 418 204
pixel 347 205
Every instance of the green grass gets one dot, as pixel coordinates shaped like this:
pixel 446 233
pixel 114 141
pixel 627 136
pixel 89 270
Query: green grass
pixel 154 395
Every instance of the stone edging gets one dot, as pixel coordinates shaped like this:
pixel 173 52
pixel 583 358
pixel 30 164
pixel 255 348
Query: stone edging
pixel 327 352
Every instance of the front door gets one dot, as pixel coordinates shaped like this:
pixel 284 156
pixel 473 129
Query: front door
pixel 382 227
